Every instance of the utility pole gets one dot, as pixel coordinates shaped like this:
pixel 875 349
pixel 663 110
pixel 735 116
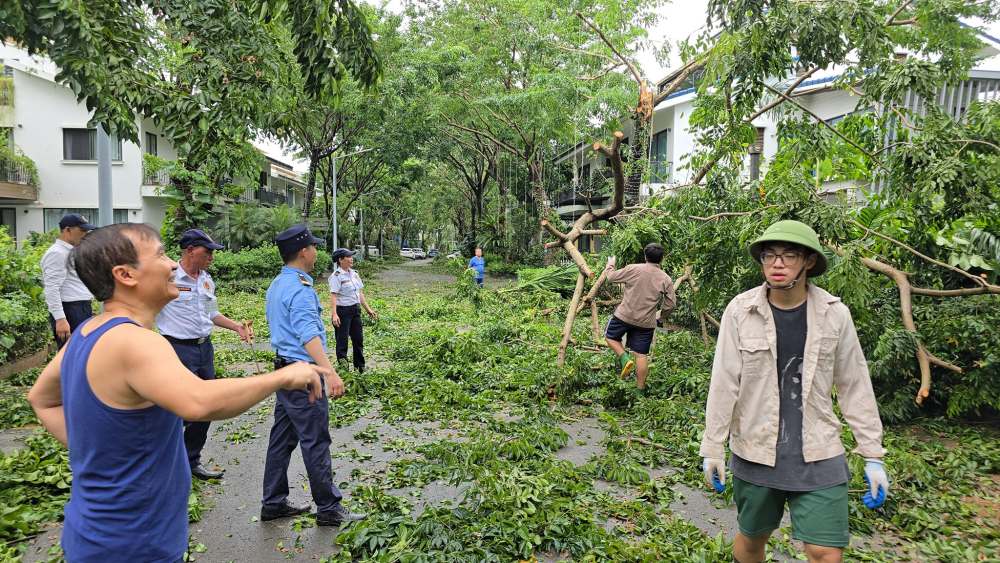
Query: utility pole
pixel 333 182
pixel 105 212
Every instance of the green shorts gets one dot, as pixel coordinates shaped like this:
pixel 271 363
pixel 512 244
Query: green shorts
pixel 818 517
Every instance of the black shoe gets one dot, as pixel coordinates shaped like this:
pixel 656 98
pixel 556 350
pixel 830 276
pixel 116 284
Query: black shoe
pixel 282 511
pixel 338 516
pixel 201 472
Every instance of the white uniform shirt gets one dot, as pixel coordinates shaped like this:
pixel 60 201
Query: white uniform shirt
pixel 191 314
pixel 62 284
pixel 347 286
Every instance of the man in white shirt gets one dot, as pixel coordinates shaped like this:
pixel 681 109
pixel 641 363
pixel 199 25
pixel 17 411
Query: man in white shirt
pixel 187 321
pixel 67 299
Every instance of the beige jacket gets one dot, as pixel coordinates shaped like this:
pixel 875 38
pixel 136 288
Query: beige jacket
pixel 743 397
pixel 647 287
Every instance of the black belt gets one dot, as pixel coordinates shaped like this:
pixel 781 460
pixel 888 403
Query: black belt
pixel 281 361
pixel 188 341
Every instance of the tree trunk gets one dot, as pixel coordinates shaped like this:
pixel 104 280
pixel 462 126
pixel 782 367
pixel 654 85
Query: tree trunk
pixel 314 162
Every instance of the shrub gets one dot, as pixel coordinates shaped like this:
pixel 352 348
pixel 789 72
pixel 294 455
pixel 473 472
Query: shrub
pixel 23 316
pixel 260 262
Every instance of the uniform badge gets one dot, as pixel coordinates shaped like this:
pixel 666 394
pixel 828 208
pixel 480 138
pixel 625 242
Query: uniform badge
pixel 206 284
pixel 183 288
pixel 304 281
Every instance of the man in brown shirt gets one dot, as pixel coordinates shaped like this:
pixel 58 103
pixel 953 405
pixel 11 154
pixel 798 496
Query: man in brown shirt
pixel 647 287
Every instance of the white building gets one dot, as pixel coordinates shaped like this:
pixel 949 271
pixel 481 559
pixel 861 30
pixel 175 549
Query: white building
pixel 672 142
pixel 41 119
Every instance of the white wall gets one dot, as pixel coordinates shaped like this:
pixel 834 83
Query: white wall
pixel 42 108
pixel 832 104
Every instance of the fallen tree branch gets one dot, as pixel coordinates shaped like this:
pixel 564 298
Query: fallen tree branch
pixel 604 38
pixel 919 254
pixel 821 121
pixel 905 311
pixel 732 213
pixel 570 317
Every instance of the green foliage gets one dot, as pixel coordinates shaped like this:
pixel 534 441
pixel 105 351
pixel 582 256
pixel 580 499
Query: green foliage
pixel 248 226
pixel 34 486
pixel 111 56
pixel 14 408
pixel 560 279
pixel 260 262
pixel 23 316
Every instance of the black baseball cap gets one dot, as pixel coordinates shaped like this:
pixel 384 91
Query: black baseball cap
pixel 75 220
pixel 342 253
pixel 198 237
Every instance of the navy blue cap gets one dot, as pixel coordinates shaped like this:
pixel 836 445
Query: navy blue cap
pixel 75 220
pixel 295 238
pixel 198 237
pixel 342 252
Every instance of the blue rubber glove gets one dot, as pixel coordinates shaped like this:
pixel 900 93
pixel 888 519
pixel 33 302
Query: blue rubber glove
pixel 715 473
pixel 878 483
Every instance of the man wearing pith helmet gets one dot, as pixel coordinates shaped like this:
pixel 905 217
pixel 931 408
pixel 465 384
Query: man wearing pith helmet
pixel 783 347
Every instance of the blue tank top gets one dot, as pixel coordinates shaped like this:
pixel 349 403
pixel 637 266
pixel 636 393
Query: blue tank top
pixel 131 478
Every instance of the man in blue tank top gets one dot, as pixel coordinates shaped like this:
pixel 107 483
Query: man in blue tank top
pixel 117 396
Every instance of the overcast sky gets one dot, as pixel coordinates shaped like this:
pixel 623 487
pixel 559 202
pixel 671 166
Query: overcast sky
pixel 681 19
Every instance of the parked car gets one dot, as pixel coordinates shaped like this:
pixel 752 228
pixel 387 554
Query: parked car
pixel 455 254
pixel 408 253
pixel 432 253
pixel 419 254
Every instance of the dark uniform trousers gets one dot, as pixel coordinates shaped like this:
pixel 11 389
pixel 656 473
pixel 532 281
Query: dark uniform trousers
pixel 200 359
pixel 298 422
pixel 76 312
pixel 350 326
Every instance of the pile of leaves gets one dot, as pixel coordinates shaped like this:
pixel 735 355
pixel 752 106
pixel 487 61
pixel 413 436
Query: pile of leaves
pixel 560 279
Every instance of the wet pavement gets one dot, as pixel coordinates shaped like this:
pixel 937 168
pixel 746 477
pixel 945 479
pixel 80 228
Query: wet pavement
pixel 230 530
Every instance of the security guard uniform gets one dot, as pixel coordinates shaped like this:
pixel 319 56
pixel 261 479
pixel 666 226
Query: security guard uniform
pixel 294 316
pixel 186 322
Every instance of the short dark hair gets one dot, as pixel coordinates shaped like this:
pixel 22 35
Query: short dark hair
pixel 289 255
pixel 103 249
pixel 653 253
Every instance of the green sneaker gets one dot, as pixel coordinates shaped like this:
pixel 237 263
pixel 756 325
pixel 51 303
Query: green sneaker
pixel 626 363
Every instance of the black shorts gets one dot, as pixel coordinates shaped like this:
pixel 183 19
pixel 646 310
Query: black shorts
pixel 639 339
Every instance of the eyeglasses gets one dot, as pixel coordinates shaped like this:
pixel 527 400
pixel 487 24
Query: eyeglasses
pixel 787 258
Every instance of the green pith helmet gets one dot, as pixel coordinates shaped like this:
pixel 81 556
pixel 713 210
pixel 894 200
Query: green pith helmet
pixel 794 232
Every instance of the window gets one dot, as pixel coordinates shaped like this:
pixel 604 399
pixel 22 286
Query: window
pixel 151 143
pixel 7 137
pixel 81 144
pixel 53 215
pixel 658 163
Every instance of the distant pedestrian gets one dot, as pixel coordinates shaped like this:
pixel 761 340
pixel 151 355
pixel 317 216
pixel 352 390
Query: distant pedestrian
pixel 647 289
pixel 117 396
pixel 347 297
pixel 67 298
pixel 295 317
pixel 478 265
pixel 186 322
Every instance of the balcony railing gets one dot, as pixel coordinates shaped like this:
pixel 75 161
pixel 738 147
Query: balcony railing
pixel 14 172
pixel 158 178
pixel 271 198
